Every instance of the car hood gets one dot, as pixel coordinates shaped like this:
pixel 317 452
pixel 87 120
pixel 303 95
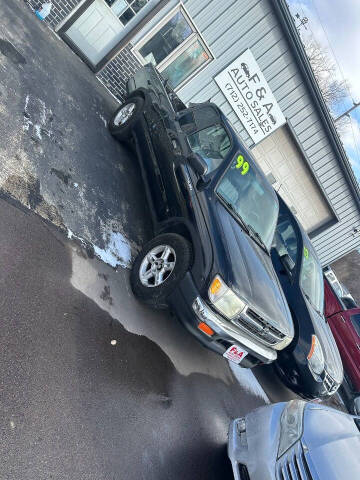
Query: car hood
pixel 248 270
pixel 333 363
pixel 333 443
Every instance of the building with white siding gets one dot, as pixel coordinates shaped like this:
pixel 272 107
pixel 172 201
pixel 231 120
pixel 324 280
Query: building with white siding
pixel 247 57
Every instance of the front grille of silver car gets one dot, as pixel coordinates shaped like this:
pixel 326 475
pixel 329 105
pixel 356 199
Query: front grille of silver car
pixel 259 327
pixel 293 465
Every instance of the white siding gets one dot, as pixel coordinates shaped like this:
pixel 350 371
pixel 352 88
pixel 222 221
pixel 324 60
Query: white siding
pixel 230 27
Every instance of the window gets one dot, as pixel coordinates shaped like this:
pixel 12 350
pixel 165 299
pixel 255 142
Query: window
pixel 311 279
pixel 126 9
pixel 185 64
pixel 212 144
pixel 355 320
pixel 286 242
pixel 251 198
pixel 175 48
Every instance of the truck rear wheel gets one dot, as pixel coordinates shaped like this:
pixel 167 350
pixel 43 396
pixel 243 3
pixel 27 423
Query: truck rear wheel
pixel 125 117
pixel 159 268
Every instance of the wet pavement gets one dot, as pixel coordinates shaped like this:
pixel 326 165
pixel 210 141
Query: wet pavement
pixel 155 405
pixel 59 158
pixel 93 385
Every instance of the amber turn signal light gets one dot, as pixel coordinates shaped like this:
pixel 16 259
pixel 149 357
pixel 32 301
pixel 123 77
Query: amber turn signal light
pixel 206 329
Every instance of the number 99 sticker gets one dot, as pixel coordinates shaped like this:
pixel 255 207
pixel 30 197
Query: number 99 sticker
pixel 240 163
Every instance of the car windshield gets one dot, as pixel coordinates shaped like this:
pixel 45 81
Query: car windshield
pixel 311 278
pixel 212 144
pixel 247 193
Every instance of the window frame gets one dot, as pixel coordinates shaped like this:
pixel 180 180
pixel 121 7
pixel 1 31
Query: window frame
pixel 296 271
pixel 188 42
pixel 219 124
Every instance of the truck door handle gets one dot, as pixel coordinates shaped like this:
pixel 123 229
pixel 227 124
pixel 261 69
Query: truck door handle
pixel 358 346
pixel 342 318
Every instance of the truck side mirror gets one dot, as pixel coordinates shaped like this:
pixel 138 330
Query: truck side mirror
pixel 288 261
pixel 198 164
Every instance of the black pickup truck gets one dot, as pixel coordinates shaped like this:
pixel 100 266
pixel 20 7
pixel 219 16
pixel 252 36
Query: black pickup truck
pixel 214 216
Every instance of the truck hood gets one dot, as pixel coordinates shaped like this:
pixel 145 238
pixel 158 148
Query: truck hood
pixel 248 270
pixel 333 443
pixel 333 363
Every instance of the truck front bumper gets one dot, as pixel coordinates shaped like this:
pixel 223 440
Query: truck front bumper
pixel 191 310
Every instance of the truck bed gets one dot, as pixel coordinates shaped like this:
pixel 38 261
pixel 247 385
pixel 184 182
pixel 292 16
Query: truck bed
pixel 149 78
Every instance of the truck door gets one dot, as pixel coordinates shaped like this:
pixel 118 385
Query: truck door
pixel 346 329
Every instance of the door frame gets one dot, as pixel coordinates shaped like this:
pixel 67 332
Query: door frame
pixel 117 48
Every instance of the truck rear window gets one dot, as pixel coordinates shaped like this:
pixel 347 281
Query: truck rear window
pixel 212 144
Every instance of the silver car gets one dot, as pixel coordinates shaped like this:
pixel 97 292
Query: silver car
pixel 295 441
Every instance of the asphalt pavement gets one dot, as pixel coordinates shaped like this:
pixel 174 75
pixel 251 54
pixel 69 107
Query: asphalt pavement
pixel 58 157
pixel 93 384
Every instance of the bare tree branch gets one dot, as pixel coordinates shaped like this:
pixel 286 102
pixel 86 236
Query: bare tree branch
pixel 324 69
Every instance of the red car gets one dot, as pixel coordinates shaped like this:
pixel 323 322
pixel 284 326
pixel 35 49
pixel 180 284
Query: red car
pixel 345 326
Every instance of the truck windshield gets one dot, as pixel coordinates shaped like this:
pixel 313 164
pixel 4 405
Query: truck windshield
pixel 311 278
pixel 245 190
pixel 212 144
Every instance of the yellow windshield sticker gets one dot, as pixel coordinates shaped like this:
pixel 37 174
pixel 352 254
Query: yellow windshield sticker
pixel 306 253
pixel 242 164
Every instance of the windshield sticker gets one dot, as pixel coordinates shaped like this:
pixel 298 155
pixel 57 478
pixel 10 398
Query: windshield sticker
pixel 241 164
pixel 306 253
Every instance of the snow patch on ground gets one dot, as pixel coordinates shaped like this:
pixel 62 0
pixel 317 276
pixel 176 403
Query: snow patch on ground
pixel 247 379
pixel 117 250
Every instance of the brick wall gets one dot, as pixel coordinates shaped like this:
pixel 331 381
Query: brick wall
pixel 60 9
pixel 116 73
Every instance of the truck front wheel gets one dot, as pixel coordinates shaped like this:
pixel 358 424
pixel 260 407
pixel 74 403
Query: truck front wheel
pixel 159 268
pixel 125 117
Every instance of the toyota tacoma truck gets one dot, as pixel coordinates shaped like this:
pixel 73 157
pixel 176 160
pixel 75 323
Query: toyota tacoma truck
pixel 214 215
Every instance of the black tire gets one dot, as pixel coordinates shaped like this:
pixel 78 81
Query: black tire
pixel 156 296
pixel 123 132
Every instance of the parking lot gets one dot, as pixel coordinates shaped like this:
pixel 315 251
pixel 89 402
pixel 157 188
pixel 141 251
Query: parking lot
pixel 94 385
pixel 59 158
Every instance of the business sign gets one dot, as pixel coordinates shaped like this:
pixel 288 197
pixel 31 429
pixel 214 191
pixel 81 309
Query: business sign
pixel 249 95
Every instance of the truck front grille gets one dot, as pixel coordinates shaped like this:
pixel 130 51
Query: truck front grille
pixel 257 326
pixel 293 465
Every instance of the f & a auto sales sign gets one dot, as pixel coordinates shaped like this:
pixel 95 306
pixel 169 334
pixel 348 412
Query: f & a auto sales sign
pixel 249 95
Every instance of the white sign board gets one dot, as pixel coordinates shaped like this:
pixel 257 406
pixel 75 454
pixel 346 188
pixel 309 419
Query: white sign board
pixel 249 95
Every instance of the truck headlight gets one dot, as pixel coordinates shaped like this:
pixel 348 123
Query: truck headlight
pixel 291 425
pixel 316 357
pixel 224 299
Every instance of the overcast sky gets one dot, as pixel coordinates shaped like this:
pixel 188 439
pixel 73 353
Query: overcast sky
pixel 335 25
